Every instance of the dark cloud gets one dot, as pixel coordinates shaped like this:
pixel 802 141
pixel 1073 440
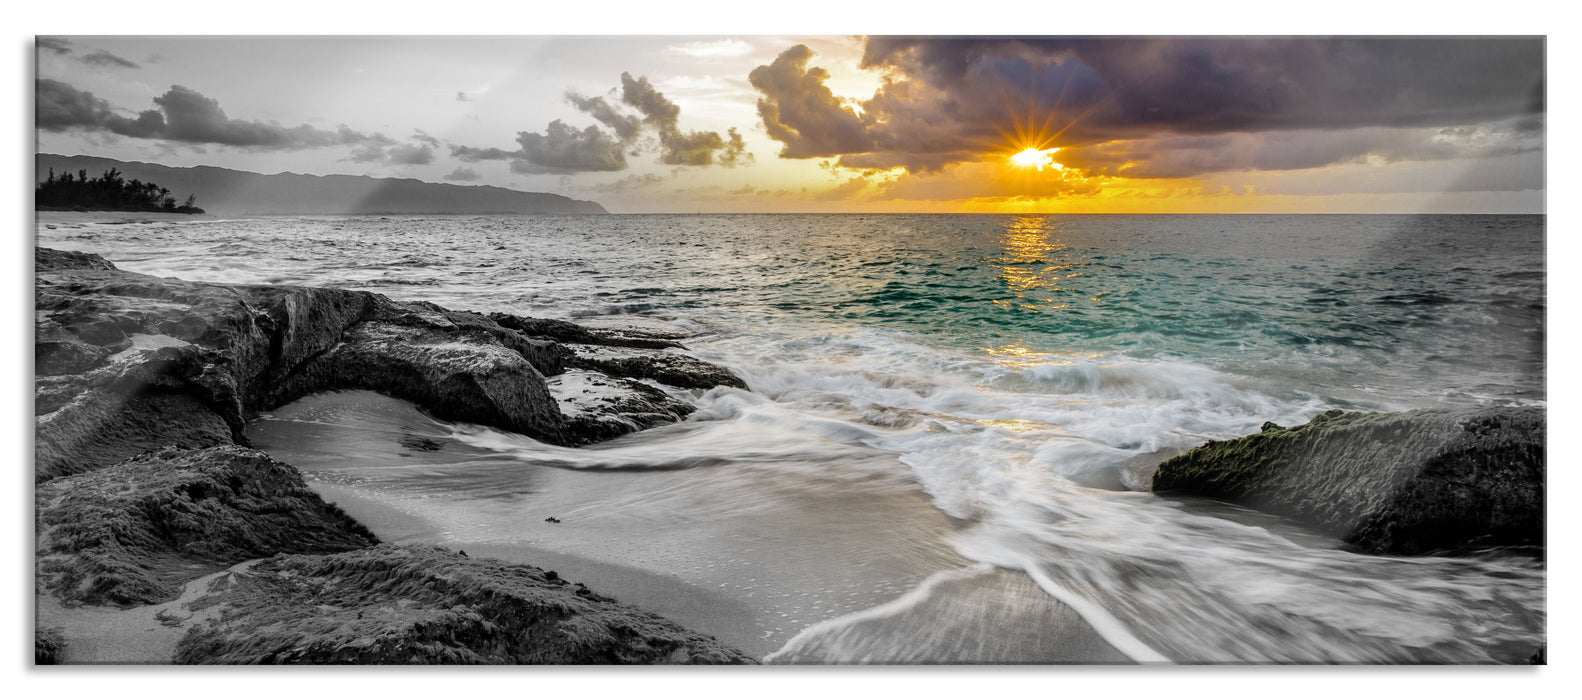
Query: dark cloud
pixel 1191 155
pixel 735 151
pixel 401 154
pixel 468 154
pixel 640 93
pixel 1194 85
pixel 61 107
pixel 691 148
pixel 565 149
pixel 462 97
pixel 105 58
pixel 192 117
pixel 676 147
pixel 801 112
pixel 54 44
pixel 626 127
pixel 182 115
pixel 411 154
pixel 950 100
pixel 463 175
pixel 422 137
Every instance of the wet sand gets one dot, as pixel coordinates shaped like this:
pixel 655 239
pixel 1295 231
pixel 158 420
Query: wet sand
pixel 750 553
pixel 693 606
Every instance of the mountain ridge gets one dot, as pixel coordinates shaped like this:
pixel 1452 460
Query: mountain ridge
pixel 227 191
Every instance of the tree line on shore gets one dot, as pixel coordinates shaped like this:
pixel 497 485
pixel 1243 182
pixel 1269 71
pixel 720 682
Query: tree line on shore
pixel 109 191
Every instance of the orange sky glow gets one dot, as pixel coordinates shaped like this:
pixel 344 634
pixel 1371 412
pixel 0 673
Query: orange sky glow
pixel 837 124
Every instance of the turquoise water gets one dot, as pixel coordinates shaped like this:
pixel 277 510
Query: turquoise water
pixel 1020 374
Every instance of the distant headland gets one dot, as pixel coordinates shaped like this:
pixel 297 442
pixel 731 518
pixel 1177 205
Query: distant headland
pixel 223 191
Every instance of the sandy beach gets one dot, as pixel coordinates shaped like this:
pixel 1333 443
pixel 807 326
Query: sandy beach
pixel 742 554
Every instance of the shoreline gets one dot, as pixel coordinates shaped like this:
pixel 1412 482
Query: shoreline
pixel 756 574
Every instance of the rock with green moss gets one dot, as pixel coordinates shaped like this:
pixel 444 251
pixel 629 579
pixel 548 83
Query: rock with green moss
pixel 1399 483
pixel 425 605
pixel 135 532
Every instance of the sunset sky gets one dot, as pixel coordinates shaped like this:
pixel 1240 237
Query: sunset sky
pixel 760 123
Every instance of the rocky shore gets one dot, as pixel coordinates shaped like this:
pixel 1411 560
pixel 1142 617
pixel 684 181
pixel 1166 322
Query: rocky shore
pixel 150 502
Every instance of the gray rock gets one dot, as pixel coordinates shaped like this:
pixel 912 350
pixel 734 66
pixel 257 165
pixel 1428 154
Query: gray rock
pixel 568 332
pixel 129 362
pixel 1400 483
pixel 659 365
pixel 426 605
pixel 135 532
pixel 600 407
pixel 51 259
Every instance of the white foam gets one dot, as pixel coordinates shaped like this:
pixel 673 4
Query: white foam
pixel 911 599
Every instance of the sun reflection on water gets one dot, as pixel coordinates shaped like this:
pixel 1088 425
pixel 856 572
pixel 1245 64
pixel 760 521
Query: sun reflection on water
pixel 1036 266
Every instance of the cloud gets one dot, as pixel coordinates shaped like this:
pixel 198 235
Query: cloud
pixel 799 110
pixel 61 107
pixel 422 137
pixel 626 127
pixel 735 151
pixel 949 100
pixel 105 58
pixel 723 48
pixel 844 190
pixel 468 154
pixel 977 179
pixel 461 174
pixel 628 183
pixel 61 47
pixel 676 146
pixel 400 154
pixel 182 115
pixel 564 149
pixel 371 153
pixel 1213 85
pixel 1192 155
pixel 462 97
pixel 411 154
pixel 192 117
pixel 54 44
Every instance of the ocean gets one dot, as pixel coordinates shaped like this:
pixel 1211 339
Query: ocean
pixel 943 453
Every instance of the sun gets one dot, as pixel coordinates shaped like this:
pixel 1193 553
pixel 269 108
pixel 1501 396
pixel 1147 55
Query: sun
pixel 1036 158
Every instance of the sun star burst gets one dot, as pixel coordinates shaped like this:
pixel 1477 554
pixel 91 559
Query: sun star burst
pixel 1036 158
